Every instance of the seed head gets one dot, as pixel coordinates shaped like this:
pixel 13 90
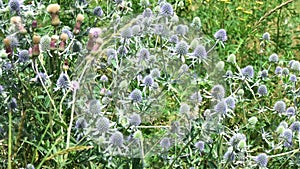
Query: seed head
pixel 296 66
pixel 53 8
pixel 280 106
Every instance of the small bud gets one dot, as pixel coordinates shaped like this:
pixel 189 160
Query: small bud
pixel 253 120
pixel 231 58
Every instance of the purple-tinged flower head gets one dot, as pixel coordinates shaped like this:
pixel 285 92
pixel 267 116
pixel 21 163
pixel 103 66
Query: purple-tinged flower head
pixel 81 123
pixel 200 52
pixel 273 58
pixel 166 9
pixel 94 106
pixel 175 127
pixel 63 81
pixel 278 70
pixel 144 54
pixel 102 125
pixel 291 63
pixel 230 101
pixel 98 12
pixel 290 111
pixel 116 139
pixel 148 80
pixel 147 13
pixel 41 76
pixel 136 95
pixel 261 160
pixel 1 89
pixel 293 78
pixel 264 74
pixel 159 29
pixel 155 73
pixel 199 145
pixel 15 5
pixel 104 78
pixel 295 66
pixel 181 48
pixel 266 36
pixel 94 33
pixel 126 33
pixel 165 143
pixel 221 35
pixel 221 107
pixel 236 138
pixel 285 71
pixel 280 106
pixel 296 126
pixel 23 56
pixel 218 92
pixel 181 29
pixel 184 108
pixel 262 90
pixel 13 103
pixel 248 71
pixel 122 50
pixel 118 1
pixel 229 156
pixel 136 30
pixel 30 166
pixel 196 97
pixel 14 42
pixel 287 135
pixel 111 53
pixel 135 119
pixel 174 39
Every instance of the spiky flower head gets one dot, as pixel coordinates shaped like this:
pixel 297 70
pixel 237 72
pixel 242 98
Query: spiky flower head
pixel 230 101
pixel 295 66
pixel 148 80
pixel 181 29
pixel 285 71
pixel 236 138
pixel 136 95
pixel 221 107
pixel 15 5
pixel 273 58
pixel 94 106
pixel 147 13
pixel 248 71
pixel 45 43
pixel 264 74
pixel 116 139
pixel 229 156
pixel 280 106
pixel 144 54
pixel 295 126
pixel 135 119
pixel 278 70
pixel 29 166
pixel 199 145
pixel 165 143
pixel 174 39
pixel 290 111
pixel 98 11
pixel 262 90
pixel 181 48
pixel 200 52
pixel 287 135
pixel 266 36
pixel 81 123
pixel 155 73
pixel 262 160
pixel 126 33
pixel 102 125
pixel 218 92
pixel 63 81
pixel 23 56
pixel 196 97
pixel 166 9
pixel 221 35
pixel 293 78
pixel 136 30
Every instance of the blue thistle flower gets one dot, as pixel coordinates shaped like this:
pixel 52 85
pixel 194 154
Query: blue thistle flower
pixel 181 29
pixel 229 156
pixel 165 143
pixel 81 123
pixel 293 78
pixel 94 106
pixel 199 145
pixel 184 108
pixel 196 97
pixel 181 48
pixel 13 103
pixel 15 5
pixel 221 35
pixel 218 92
pixel 230 102
pixel 290 111
pixel 155 73
pixel 295 126
pixel 98 11
pixel 200 52
pixel 23 56
pixel 126 33
pixel 278 70
pixel 148 80
pixel 174 39
pixel 116 139
pixel 144 54
pixel 102 125
pixel 147 13
pixel 30 166
pixel 262 90
pixel 248 71
pixel 136 95
pixel 287 135
pixel 166 10
pixel 63 81
pixel 262 160
pixel 266 36
pixel 280 106
pixel 273 58
pixel 264 74
pixel 135 119
pixel 221 107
